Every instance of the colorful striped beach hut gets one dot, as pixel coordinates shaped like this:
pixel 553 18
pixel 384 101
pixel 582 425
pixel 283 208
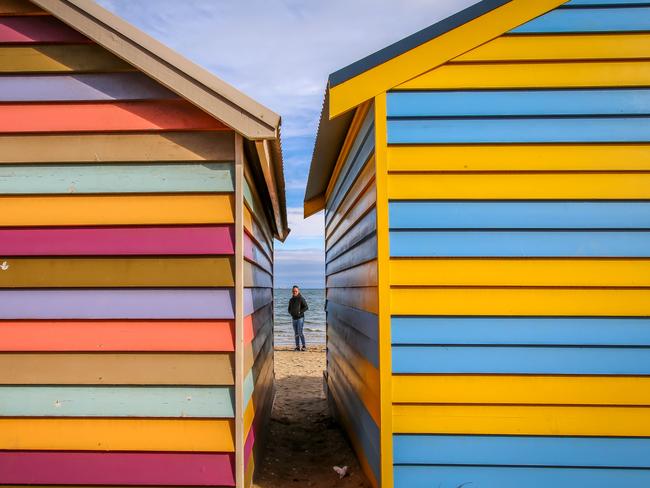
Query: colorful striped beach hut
pixel 486 187
pixel 139 199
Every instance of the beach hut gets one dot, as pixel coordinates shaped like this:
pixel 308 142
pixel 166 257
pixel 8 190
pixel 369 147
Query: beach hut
pixel 485 183
pixel 139 199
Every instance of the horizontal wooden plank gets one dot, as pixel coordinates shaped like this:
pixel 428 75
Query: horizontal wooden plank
pixel 519 215
pixel 117 435
pixel 362 298
pixel 118 272
pixel 520 301
pixel 520 272
pixel 112 178
pixel 256 299
pixel 589 20
pixel 254 253
pixel 350 359
pixel 531 477
pixel 39 29
pixel 363 252
pixel 114 401
pixel 256 232
pixel 525 389
pixel 354 210
pixel 118 304
pixel 521 360
pixel 364 322
pixel 365 226
pixel 108 117
pixel 163 209
pixel 519 103
pixel 255 276
pixel 586 331
pixel 116 369
pixel 19 7
pixel 78 335
pixel 529 157
pixel 534 75
pixel 362 275
pixel 520 243
pixel 117 468
pixel 339 330
pixel 522 420
pixel 130 148
pixel 520 130
pixel 544 186
pixel 556 47
pixel 81 58
pixel 97 241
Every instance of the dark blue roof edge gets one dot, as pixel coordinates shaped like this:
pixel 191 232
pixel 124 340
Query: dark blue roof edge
pixel 414 40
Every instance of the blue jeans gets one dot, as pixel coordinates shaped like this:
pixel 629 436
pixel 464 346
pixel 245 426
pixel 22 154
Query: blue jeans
pixel 297 330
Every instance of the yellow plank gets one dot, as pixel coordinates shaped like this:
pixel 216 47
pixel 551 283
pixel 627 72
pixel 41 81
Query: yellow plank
pixel 504 389
pixel 529 157
pixel 249 416
pixel 116 209
pixel 533 75
pixel 521 272
pixel 435 52
pixel 520 301
pixel 59 59
pixel 116 434
pixel 554 47
pixel 542 186
pixel 522 420
pixel 250 471
pixel 362 275
pixel 362 298
pixel 118 272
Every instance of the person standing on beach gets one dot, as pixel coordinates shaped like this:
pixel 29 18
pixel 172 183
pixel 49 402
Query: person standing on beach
pixel 297 308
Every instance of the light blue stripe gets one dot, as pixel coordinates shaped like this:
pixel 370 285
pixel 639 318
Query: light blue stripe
pixel 529 130
pixel 522 450
pixel 519 244
pixel 536 102
pixel 497 477
pixel 519 215
pixel 113 401
pixel 521 360
pixel 594 331
pixel 248 389
pixel 633 19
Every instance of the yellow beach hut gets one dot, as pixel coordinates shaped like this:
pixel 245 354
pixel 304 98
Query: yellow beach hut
pixel 139 199
pixel 485 184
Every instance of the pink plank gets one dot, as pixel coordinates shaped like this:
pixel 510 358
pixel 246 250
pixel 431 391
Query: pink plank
pixel 37 29
pixel 248 445
pixel 95 241
pixel 98 468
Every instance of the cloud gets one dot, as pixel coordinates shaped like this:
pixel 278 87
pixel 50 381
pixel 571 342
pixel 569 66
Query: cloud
pixel 305 267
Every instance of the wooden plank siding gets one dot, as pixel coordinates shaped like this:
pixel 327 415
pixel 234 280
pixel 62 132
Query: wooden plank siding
pixel 519 229
pixel 351 281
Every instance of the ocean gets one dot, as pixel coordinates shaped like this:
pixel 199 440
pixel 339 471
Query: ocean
pixel 314 318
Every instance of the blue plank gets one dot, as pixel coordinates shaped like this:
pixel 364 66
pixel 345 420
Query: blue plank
pixel 519 130
pixel 519 244
pixel 248 388
pixel 498 477
pixel 519 103
pixel 365 347
pixel 521 360
pixel 519 215
pixel 522 451
pixel 632 19
pixel 592 331
pixel 364 322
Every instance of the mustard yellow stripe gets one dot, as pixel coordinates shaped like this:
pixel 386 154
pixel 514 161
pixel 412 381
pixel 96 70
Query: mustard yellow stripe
pixel 117 434
pixel 533 75
pixel 533 157
pixel 116 209
pixel 521 272
pixel 505 389
pixel 250 470
pixel 520 301
pixel 519 420
pixel 553 47
pixel 544 186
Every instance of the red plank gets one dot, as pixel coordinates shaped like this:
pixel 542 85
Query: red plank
pixel 113 116
pixel 37 29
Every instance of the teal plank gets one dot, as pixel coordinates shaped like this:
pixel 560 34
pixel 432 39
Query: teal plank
pixel 112 401
pixel 634 18
pixel 249 387
pixel 116 178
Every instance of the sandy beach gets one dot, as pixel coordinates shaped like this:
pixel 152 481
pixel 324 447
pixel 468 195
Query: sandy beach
pixel 304 443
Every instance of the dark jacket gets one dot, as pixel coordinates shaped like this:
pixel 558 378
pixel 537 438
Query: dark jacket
pixel 298 306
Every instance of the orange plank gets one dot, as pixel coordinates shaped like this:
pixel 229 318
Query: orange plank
pixel 182 335
pixel 117 116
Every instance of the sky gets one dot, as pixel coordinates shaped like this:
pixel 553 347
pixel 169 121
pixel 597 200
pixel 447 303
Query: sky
pixel 280 52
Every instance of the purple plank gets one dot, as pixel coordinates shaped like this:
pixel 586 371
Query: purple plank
pixel 82 87
pixel 117 304
pixel 37 29
pixel 98 468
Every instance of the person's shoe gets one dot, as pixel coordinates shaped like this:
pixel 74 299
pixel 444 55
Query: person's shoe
pixel 297 349
pixel 303 348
